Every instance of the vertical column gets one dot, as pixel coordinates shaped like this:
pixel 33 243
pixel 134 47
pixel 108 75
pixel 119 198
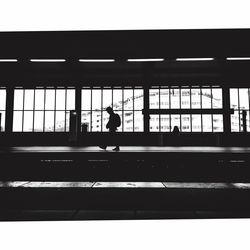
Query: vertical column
pixel 9 109
pixel 226 108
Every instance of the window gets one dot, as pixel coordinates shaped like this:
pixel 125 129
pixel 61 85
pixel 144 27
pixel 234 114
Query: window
pixel 2 108
pixel 42 109
pixel 239 101
pixel 186 98
pixel 127 102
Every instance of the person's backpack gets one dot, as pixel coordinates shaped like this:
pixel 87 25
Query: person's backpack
pixel 117 120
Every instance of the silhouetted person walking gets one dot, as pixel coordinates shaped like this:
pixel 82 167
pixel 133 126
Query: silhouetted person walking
pixel 113 123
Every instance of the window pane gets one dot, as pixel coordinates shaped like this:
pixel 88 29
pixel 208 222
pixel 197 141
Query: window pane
pixel 128 99
pixel 60 99
pixel 206 99
pixel 154 123
pixel 105 119
pixel 18 99
pixel 39 99
pixel 86 99
pixel 67 121
pixel 60 121
pixel 96 121
pixel 49 121
pixel 38 121
pixel 164 98
pixel 86 118
pixel 154 98
pixel 2 129
pixel 107 98
pixel 185 98
pixel 2 99
pixel 138 121
pixel 196 123
pixel 117 99
pixel 29 99
pixel 28 121
pixel 50 99
pixel 235 122
pixel 244 98
pixel 17 121
pixel 119 129
pixel 217 98
pixel 70 99
pixel 128 121
pixel 138 99
pixel 196 99
pixel 207 123
pixel 218 123
pixel 165 123
pixel 234 98
pixel 175 121
pixel 185 123
pixel 174 98
pixel 96 99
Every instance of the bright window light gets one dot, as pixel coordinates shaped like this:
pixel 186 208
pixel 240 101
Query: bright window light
pixel 195 59
pixel 47 60
pixel 146 60
pixel 8 60
pixel 96 60
pixel 237 58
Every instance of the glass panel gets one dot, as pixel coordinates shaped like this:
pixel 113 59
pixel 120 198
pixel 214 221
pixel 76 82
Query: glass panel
pixel 185 123
pixel 196 123
pixel 70 99
pixel 2 99
pixel 107 98
pixel 86 118
pixel 174 99
pixel 175 121
pixel 195 98
pixel 165 123
pixel 235 122
pixel 105 119
pixel 164 98
pixel 86 99
pixel 207 123
pixel 67 121
pixel 154 123
pixel 154 98
pixel 17 121
pixel 244 98
pixel 50 100
pixel 248 122
pixel 18 99
pixel 49 121
pixel 138 121
pixel 29 99
pixel 96 99
pixel 138 99
pixel 218 123
pixel 96 121
pixel 217 98
pixel 128 121
pixel 185 98
pixel 39 99
pixel 234 98
pixel 28 121
pixel 120 114
pixel 38 121
pixel 2 129
pixel 128 99
pixel 117 99
pixel 206 99
pixel 60 121
pixel 60 99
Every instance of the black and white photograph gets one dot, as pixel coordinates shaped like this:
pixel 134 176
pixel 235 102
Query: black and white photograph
pixel 139 123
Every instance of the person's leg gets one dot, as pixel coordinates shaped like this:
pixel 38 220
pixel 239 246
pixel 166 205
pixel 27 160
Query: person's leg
pixel 115 141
